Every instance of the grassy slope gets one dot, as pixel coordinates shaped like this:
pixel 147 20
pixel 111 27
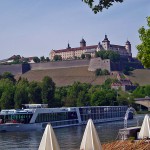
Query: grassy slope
pixel 141 76
pixel 66 76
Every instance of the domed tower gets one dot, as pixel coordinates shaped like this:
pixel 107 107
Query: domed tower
pixel 128 47
pixel 106 43
pixel 82 43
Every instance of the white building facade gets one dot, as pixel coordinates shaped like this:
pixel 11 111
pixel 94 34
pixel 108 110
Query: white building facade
pixel 72 53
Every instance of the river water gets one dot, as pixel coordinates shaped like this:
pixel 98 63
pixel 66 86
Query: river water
pixel 69 138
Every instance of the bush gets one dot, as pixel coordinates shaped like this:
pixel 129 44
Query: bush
pixel 100 72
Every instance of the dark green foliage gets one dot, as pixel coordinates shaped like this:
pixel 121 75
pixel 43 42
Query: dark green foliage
pixel 21 93
pixel 105 72
pixel 34 93
pixel 42 59
pixel 113 56
pixel 83 56
pixel 79 94
pixel 125 98
pixel 7 99
pixel 57 58
pixel 7 89
pixel 100 72
pixel 127 70
pixel 103 97
pixel 142 91
pixel 88 56
pixel 36 59
pixel 47 59
pixel 8 75
pixel 144 47
pixel 101 4
pixel 48 90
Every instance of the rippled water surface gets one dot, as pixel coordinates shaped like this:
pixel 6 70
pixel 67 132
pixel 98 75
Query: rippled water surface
pixel 69 138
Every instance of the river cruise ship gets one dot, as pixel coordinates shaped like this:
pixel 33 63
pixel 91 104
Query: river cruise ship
pixel 36 116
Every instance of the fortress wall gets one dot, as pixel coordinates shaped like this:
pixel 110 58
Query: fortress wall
pixel 116 66
pixel 14 69
pixel 121 65
pixel 98 63
pixel 136 65
pixel 25 68
pixel 59 64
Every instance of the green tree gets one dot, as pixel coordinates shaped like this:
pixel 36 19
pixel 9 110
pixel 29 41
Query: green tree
pixel 36 59
pixel 47 59
pixel 83 98
pixel 60 95
pixel 34 93
pixel 57 58
pixel 98 72
pixel 82 56
pixel 125 98
pixel 144 48
pixel 21 93
pixel 98 98
pixel 109 54
pixel 7 90
pixel 7 99
pixel 8 75
pixel 99 5
pixel 48 90
pixel 105 72
pixel 42 59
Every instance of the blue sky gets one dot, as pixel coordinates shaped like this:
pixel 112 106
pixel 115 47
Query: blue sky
pixel 34 27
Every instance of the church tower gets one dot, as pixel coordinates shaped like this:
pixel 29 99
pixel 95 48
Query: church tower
pixel 82 43
pixel 106 43
pixel 128 47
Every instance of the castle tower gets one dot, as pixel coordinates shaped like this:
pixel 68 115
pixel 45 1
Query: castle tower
pixel 68 46
pixel 106 43
pixel 98 47
pixel 82 43
pixel 128 47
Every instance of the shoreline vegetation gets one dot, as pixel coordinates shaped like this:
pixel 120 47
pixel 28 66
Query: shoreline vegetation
pixel 14 93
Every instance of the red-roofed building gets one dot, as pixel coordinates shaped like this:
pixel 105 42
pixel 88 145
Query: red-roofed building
pixel 72 53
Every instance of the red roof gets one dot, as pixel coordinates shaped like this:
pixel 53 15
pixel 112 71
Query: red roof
pixel 117 46
pixel 75 49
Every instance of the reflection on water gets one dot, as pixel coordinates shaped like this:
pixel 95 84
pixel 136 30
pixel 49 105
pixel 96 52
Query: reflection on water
pixel 69 138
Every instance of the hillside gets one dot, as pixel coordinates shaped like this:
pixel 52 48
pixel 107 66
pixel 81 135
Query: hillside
pixel 66 76
pixel 141 76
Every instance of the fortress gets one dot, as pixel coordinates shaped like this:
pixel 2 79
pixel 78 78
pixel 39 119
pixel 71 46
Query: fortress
pixel 72 69
pixel 72 53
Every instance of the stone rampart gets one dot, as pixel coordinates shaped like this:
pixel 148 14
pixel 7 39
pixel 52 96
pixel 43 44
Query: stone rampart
pixel 119 66
pixel 98 63
pixel 15 68
pixel 59 64
pixel 93 64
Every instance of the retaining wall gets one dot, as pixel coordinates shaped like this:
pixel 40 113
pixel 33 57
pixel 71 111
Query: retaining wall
pixel 59 64
pixel 15 68
pixel 98 63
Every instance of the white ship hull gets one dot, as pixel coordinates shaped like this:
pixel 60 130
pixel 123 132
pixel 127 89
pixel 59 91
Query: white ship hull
pixel 13 127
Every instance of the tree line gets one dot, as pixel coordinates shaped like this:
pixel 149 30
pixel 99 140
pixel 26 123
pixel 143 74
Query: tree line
pixel 15 93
